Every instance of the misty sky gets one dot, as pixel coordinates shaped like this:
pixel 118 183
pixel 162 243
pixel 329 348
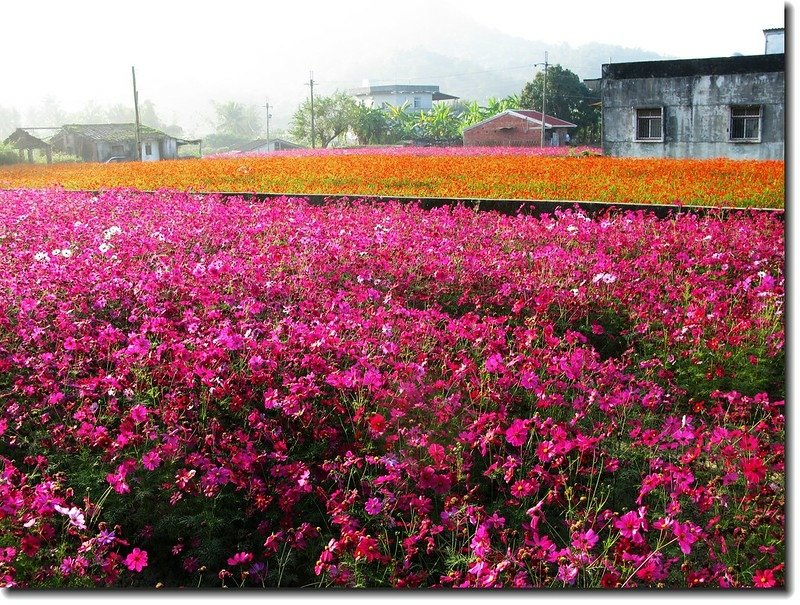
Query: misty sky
pixel 187 53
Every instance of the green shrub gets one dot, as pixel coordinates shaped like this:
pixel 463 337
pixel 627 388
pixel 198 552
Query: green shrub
pixel 8 155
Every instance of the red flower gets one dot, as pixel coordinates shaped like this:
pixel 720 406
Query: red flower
pixel 377 423
pixel 754 470
pixel 367 549
pixel 610 579
pixel 764 578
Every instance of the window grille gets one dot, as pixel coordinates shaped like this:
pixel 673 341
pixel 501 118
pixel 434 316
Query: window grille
pixel 745 123
pixel 649 124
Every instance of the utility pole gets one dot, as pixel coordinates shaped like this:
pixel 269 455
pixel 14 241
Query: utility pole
pixel 544 89
pixel 136 111
pixel 311 84
pixel 268 117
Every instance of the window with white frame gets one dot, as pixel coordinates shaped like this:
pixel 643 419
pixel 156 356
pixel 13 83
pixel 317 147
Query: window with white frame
pixel 650 124
pixel 745 123
pixel 417 102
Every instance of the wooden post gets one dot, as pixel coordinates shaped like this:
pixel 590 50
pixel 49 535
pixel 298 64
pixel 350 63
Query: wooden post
pixel 136 111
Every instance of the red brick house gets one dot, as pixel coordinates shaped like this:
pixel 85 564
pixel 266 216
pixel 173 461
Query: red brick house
pixel 518 128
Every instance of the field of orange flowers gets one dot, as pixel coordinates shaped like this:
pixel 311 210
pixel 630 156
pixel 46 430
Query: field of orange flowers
pixel 405 173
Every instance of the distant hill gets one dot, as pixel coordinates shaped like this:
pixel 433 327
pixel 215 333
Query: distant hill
pixel 466 59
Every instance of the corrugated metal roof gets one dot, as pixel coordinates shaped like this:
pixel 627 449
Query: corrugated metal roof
pixel 113 132
pixel 527 114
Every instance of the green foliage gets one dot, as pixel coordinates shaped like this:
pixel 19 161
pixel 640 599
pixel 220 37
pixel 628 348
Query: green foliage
pixel 339 114
pixel 333 117
pixel 238 120
pixel 371 126
pixel 8 155
pixel 566 98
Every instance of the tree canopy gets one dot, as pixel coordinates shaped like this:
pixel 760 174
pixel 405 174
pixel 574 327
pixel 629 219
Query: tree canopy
pixel 567 98
pixel 333 117
pixel 237 120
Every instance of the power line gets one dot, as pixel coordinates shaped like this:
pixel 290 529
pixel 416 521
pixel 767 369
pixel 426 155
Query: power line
pixel 437 77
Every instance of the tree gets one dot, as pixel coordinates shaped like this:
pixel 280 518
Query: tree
pixel 238 121
pixel 371 125
pixel 439 123
pixel 473 112
pixel 333 117
pixel 567 98
pixel 9 120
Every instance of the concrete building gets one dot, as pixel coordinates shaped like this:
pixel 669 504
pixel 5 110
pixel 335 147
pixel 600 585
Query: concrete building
pixel 518 128
pixel 416 97
pixel 730 107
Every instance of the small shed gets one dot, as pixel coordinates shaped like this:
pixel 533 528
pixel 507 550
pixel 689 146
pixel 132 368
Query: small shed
pixel 267 146
pixel 30 139
pixel 518 128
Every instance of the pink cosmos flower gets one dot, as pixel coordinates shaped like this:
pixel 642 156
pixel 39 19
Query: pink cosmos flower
pixel 139 413
pixel 373 506
pixel 517 433
pixel 494 363
pixel 629 525
pixel 584 540
pixel 687 534
pixel 568 573
pixel 75 515
pixel 240 558
pixel 151 460
pixel 136 560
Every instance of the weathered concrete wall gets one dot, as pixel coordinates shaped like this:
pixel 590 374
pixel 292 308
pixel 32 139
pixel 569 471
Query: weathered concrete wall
pixel 696 114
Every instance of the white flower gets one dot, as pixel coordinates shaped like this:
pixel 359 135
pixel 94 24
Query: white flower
pixel 66 253
pixel 606 278
pixel 41 257
pixel 104 247
pixel 76 517
pixel 111 232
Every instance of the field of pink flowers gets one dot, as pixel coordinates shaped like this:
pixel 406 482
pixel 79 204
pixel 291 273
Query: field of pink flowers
pixel 207 391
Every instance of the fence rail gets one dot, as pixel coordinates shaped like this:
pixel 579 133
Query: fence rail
pixel 509 207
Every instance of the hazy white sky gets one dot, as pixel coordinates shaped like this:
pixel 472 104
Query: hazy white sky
pixel 196 50
pixel 681 28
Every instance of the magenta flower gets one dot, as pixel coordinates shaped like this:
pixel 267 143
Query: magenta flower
pixel 764 578
pixel 240 558
pixel 136 560
pixel 568 573
pixel 517 433
pixel 687 534
pixel 584 540
pixel 373 506
pixel 629 525
pixel 151 460
pixel 139 413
